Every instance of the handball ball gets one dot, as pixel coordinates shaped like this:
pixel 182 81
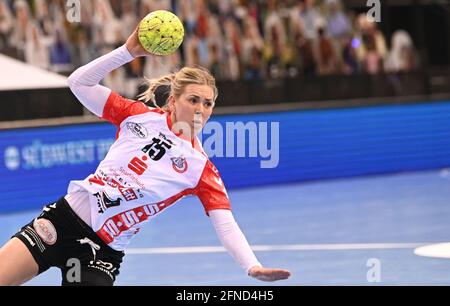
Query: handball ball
pixel 161 32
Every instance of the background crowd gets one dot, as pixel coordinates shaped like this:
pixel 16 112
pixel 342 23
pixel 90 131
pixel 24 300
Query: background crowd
pixel 235 39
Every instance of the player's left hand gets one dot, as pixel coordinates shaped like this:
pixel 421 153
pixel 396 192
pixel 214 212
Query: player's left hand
pixel 268 274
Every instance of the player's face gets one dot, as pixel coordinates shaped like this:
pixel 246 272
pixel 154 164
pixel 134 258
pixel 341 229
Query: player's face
pixel 194 107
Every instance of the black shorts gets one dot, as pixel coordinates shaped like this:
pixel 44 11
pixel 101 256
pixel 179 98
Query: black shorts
pixel 59 238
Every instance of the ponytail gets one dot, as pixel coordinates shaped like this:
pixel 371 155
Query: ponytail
pixel 153 84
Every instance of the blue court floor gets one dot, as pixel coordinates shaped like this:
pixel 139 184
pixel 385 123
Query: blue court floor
pixel 325 233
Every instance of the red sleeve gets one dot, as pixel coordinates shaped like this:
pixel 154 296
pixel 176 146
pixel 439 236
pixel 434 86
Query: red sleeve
pixel 117 109
pixel 211 190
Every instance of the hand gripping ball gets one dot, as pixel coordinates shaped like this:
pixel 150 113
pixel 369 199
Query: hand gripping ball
pixel 161 32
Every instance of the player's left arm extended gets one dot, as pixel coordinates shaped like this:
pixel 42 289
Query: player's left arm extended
pixel 236 244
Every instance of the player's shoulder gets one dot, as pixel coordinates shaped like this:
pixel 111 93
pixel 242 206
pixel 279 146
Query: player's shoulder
pixel 156 110
pixel 210 168
pixel 131 105
pixel 139 108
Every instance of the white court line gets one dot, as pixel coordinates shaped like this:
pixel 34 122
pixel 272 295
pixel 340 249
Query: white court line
pixel 286 247
pixel 438 250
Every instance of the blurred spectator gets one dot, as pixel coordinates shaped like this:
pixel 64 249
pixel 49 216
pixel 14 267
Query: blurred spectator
pixel 402 57
pixel 235 39
pixel 338 27
pixel 225 7
pixel 311 18
pixel 254 12
pixel 43 17
pixel 6 24
pixel 296 24
pixel 36 51
pixel 304 55
pixel 215 35
pixel 232 50
pixel 272 53
pixel 192 54
pixel 84 50
pixel 22 22
pixel 273 24
pixel 326 55
pixel 253 68
pixel 308 62
pixel 275 43
pixel 128 19
pixel 372 61
pixel 107 28
pixel 349 58
pixel 366 28
pixel 215 61
pixel 117 6
pixel 87 16
pixel 252 46
pixel 338 23
pixel 60 58
pixel 202 31
pixel 154 5
pixel 187 15
pixel 201 28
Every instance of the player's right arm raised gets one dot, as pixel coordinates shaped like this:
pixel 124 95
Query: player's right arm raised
pixel 84 82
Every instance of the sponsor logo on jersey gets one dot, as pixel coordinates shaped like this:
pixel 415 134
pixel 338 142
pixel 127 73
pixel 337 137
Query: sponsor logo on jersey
pixel 117 224
pixel 45 229
pixel 138 130
pixel 179 164
pixel 127 193
pixel 104 202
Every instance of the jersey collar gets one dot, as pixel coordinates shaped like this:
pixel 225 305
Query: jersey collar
pixel 179 135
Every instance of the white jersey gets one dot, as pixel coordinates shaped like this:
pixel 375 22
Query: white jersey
pixel 147 169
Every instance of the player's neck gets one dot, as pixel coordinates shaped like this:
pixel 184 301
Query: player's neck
pixel 177 129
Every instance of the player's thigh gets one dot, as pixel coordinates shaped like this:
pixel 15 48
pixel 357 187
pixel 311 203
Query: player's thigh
pixel 17 265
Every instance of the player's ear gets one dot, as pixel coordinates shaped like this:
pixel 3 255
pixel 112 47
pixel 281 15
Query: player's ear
pixel 171 103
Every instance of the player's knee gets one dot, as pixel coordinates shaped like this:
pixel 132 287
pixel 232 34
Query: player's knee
pixel 7 280
pixel 17 265
pixel 6 283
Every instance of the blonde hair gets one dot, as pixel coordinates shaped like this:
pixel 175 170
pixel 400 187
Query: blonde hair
pixel 178 82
